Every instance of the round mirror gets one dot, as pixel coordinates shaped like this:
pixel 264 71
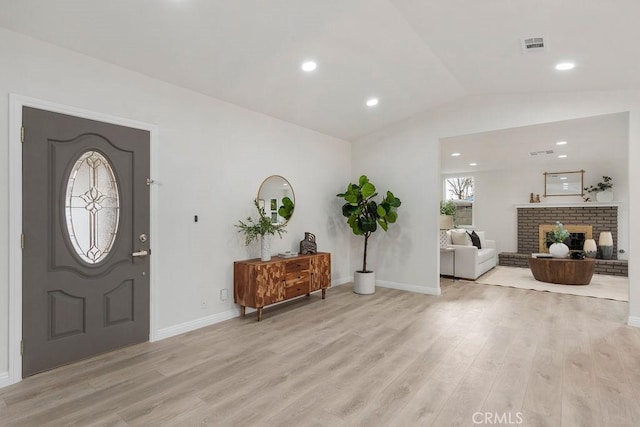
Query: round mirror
pixel 276 197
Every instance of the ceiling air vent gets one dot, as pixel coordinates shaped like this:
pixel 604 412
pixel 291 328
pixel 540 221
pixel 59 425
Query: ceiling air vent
pixel 540 153
pixel 533 44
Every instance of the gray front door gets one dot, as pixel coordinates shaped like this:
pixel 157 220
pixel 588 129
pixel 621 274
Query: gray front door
pixel 85 216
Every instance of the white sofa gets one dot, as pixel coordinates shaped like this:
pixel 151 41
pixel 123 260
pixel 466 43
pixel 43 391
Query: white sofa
pixel 470 261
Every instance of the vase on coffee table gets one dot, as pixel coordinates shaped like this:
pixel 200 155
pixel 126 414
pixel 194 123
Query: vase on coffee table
pixel 559 250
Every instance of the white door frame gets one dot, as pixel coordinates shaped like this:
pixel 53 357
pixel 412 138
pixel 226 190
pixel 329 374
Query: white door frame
pixel 16 102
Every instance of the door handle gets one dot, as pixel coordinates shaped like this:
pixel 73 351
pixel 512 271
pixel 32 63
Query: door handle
pixel 140 254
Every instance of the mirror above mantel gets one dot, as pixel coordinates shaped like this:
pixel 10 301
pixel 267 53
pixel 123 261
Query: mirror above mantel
pixel 564 183
pixel 277 199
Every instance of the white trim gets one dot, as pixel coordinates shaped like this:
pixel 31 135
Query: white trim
pixel 634 321
pixel 16 102
pixel 192 325
pixel 428 290
pixel 4 379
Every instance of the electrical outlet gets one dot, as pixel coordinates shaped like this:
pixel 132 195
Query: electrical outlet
pixel 224 294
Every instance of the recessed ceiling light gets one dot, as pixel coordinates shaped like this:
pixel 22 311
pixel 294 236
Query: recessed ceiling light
pixel 473 164
pixel 564 66
pixel 455 154
pixel 372 102
pixel 309 66
pixel 562 156
pixel 563 177
pixel 561 143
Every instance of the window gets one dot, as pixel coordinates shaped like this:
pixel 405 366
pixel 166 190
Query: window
pixel 460 189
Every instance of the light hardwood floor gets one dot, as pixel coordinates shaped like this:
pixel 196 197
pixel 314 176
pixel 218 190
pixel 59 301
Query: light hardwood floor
pixel 392 359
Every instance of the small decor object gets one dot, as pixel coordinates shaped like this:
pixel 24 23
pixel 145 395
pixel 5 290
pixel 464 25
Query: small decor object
pixel 364 216
pixel 556 237
pixel 531 199
pixel 602 189
pixel 605 242
pixel 537 198
pixel 287 254
pixel 590 248
pixel 261 228
pixel 308 244
pixel 577 255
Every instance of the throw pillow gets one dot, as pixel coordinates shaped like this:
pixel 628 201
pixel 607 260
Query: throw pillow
pixel 475 239
pixel 460 237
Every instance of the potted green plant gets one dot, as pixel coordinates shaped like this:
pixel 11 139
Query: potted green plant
pixel 364 216
pixel 261 228
pixel 602 189
pixel 447 214
pixel 556 237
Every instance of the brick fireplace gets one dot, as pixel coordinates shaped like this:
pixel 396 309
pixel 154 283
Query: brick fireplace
pixel 534 220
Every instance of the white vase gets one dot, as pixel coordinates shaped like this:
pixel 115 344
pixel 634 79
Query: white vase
pixel 559 250
pixel 265 248
pixel 606 244
pixel 364 283
pixel 604 196
pixel 590 248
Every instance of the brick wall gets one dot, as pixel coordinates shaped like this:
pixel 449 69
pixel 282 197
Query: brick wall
pixel 601 218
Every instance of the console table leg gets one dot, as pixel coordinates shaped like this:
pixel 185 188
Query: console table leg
pixel 324 292
pixel 259 314
pixel 242 310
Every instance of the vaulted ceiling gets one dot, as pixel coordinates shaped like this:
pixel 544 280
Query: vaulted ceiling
pixel 411 54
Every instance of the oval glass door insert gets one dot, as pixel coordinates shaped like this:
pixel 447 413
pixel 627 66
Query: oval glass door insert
pixel 92 207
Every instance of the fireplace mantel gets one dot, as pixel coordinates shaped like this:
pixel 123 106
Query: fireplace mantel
pixel 569 205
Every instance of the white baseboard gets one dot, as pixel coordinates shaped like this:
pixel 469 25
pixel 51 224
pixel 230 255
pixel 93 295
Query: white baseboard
pixel 192 325
pixel 342 281
pixel 428 290
pixel 634 321
pixel 4 379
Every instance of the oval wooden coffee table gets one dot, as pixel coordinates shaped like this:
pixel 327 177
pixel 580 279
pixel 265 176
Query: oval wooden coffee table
pixel 563 271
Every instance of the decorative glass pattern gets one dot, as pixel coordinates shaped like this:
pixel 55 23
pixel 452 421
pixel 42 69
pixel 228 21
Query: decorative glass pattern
pixel 92 207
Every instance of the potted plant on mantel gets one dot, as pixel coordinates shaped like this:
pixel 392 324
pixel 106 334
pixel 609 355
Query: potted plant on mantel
pixel 261 228
pixel 556 237
pixel 602 189
pixel 364 216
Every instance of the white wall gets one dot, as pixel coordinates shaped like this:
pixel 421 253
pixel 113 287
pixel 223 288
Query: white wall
pixel 406 157
pixel 212 158
pixel 497 191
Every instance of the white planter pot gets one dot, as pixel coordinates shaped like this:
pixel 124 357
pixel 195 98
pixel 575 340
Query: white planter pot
pixel 364 283
pixel 265 248
pixel 559 250
pixel 604 196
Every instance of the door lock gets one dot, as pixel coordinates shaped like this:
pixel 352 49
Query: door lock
pixel 143 238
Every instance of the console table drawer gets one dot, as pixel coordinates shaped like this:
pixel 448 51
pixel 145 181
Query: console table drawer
pixel 296 290
pixel 296 265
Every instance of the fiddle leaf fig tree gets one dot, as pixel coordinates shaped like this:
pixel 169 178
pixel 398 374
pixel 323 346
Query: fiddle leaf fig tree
pixel 364 215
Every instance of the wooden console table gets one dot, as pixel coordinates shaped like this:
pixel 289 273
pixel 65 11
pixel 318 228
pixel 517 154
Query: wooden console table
pixel 562 271
pixel 258 283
